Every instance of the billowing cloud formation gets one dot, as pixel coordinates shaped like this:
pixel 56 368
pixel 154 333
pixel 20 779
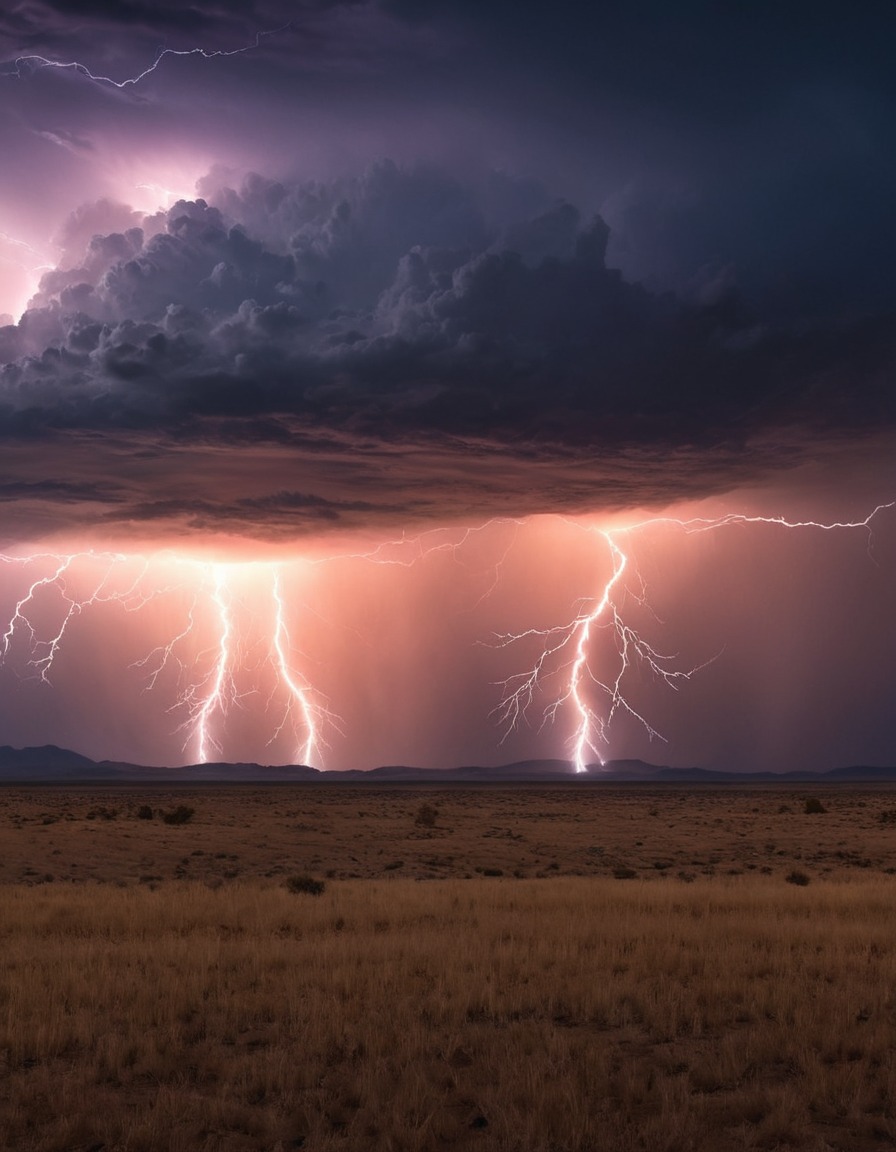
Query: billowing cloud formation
pixel 625 258
pixel 265 359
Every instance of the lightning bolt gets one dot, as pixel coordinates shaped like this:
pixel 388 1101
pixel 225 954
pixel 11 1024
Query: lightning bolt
pixel 25 63
pixel 231 633
pixel 23 249
pixel 210 683
pixel 299 695
pixel 133 582
pixel 43 651
pixel 566 649
pixel 221 690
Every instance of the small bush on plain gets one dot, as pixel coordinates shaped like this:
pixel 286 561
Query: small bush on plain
pixel 798 878
pixel 182 814
pixel 145 812
pixel 426 816
pixel 305 884
pixel 814 805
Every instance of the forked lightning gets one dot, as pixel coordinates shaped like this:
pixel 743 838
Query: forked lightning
pixel 23 64
pixel 566 650
pixel 246 609
pixel 209 680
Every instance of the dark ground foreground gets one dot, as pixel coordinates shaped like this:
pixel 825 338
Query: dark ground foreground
pixel 351 832
pixel 584 969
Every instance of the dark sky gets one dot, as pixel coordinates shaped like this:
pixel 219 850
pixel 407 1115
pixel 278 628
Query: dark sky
pixel 321 274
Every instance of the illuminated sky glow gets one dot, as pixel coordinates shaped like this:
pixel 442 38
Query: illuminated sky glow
pixel 339 661
pixel 372 368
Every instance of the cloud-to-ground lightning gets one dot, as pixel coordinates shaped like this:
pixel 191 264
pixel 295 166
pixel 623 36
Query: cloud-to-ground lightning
pixel 207 699
pixel 230 628
pixel 300 695
pixel 571 643
pixel 24 63
pixel 566 650
pixel 209 651
pixel 69 584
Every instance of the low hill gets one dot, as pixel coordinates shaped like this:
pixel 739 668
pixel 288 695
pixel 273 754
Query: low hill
pixel 49 764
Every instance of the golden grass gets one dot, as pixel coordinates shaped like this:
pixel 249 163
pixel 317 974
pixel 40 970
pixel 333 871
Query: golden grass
pixel 576 1013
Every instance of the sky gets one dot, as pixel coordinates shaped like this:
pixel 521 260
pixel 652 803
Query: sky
pixel 391 382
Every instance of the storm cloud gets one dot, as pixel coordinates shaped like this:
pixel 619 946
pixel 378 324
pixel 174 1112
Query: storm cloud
pixel 406 307
pixel 617 257
pixel 351 291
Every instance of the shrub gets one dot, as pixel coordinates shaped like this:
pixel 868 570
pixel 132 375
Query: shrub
pixel 101 812
pixel 622 873
pixel 798 878
pixel 888 816
pixel 182 814
pixel 305 884
pixel 492 872
pixel 813 805
pixel 426 816
pixel 144 812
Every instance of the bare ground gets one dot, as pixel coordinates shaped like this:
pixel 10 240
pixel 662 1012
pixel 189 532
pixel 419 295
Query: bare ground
pixel 354 832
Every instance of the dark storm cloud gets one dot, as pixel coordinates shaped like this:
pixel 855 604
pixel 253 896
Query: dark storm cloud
pixel 36 23
pixel 754 141
pixel 367 316
pixel 280 512
pixel 121 40
pixel 760 136
pixel 57 491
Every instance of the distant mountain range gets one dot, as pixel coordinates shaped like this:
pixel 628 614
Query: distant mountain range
pixel 49 764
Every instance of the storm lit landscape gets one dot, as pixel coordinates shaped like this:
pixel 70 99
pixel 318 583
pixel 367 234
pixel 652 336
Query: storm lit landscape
pixel 447 576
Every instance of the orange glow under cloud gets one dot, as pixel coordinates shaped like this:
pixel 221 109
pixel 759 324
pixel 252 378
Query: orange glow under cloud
pixel 398 650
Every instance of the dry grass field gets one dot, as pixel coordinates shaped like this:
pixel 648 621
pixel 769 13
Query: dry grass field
pixel 584 968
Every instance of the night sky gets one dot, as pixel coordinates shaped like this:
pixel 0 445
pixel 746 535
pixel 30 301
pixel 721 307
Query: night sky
pixel 343 342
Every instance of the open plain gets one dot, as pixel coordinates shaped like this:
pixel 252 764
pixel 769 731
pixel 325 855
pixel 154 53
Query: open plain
pixel 535 968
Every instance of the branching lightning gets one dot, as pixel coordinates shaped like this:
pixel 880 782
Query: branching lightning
pixel 231 629
pixel 566 649
pixel 23 64
pixel 206 700
pixel 209 679
pixel 300 696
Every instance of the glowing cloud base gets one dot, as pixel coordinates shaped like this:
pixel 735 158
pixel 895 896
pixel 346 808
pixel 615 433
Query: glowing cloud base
pixel 229 630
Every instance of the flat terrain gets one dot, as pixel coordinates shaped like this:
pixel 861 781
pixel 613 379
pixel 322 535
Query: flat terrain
pixel 363 831
pixel 584 969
